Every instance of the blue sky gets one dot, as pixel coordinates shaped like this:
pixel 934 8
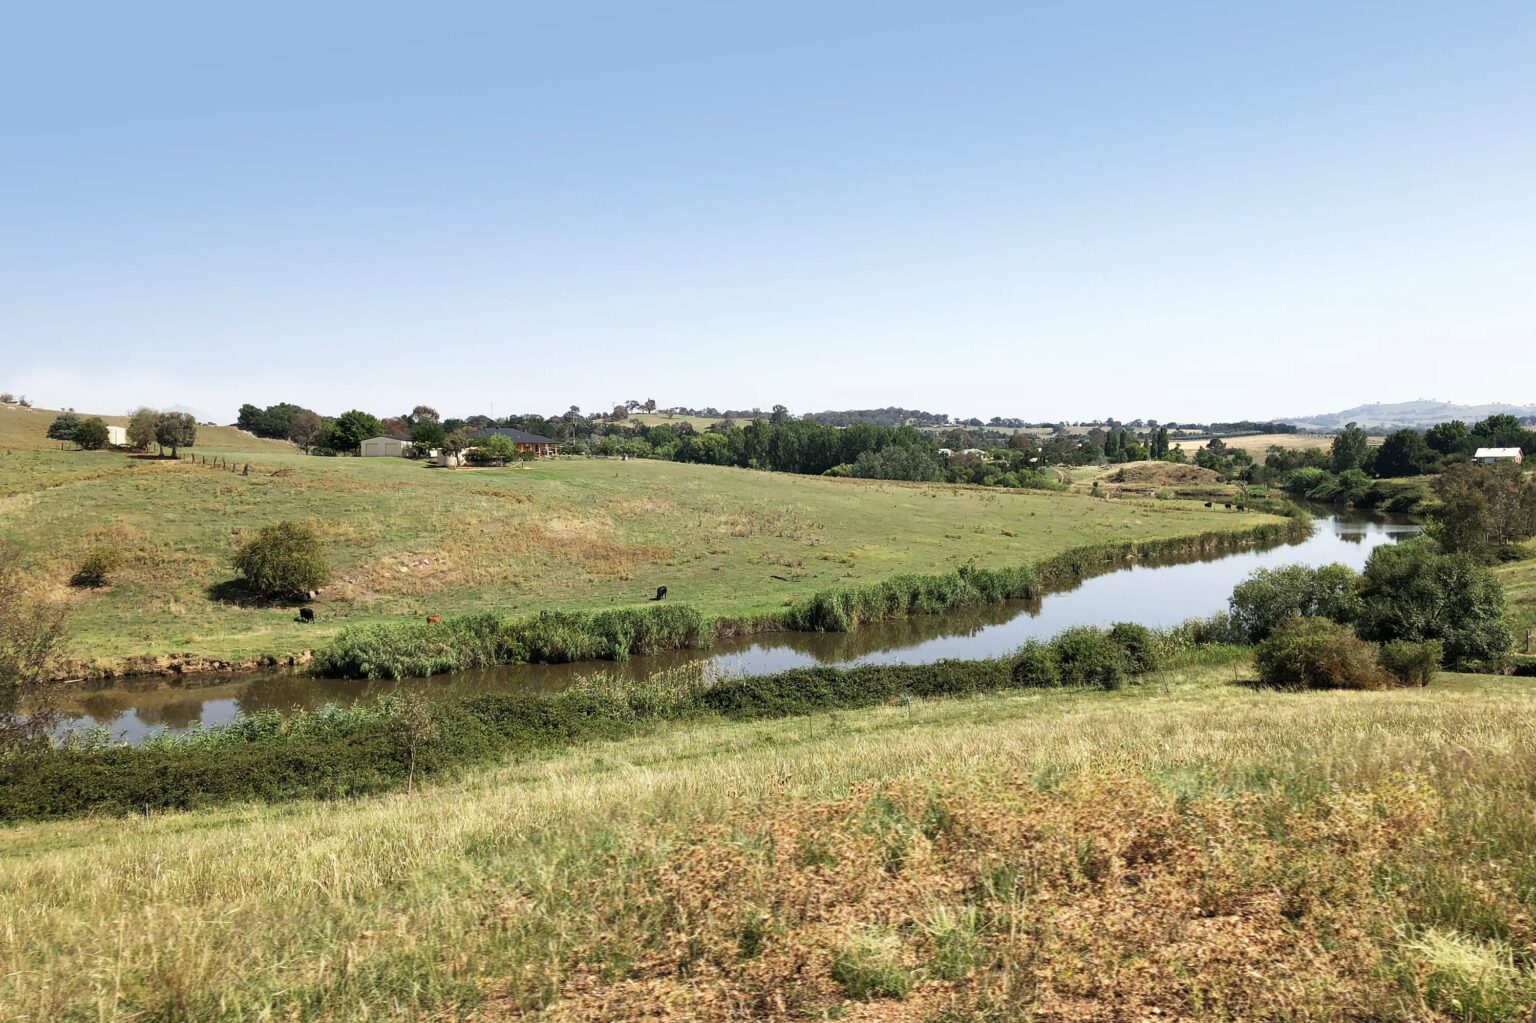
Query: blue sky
pixel 1176 211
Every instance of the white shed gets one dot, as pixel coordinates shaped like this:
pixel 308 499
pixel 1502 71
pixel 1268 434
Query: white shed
pixel 385 447
pixel 117 436
pixel 1493 456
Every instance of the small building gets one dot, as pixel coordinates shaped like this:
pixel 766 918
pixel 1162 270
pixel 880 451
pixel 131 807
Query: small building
pixel 117 436
pixel 1493 456
pixel 388 446
pixel 521 439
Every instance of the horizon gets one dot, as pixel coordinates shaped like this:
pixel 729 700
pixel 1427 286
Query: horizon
pixel 1047 214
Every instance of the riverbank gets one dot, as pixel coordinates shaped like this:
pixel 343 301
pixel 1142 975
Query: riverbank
pixel 1318 840
pixel 416 649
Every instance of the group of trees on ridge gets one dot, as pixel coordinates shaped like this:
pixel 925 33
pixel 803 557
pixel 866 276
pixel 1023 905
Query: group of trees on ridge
pixel 146 428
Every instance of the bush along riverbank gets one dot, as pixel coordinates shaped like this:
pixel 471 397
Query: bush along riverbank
pixel 415 649
pixel 349 752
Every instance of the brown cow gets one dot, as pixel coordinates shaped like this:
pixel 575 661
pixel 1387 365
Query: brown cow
pixel 434 619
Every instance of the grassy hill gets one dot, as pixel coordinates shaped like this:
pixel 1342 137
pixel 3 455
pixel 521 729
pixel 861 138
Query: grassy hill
pixel 1190 849
pixel 408 540
pixel 1417 415
pixel 27 429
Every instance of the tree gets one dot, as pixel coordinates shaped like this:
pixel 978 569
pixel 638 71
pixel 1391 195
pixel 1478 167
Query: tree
pixel 650 404
pixel 779 415
pixel 1449 438
pixel 64 426
pixel 141 428
pixel 455 441
pixel 1350 449
pixel 285 559
pixel 423 414
pixel 1315 653
pixel 428 433
pixel 91 434
pixel 1484 510
pixel 1404 453
pixel 619 414
pixel 31 629
pixel 352 427
pixel 306 427
pixel 175 430
pixel 1414 591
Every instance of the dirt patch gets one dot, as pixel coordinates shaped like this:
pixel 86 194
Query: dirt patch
pixel 1163 474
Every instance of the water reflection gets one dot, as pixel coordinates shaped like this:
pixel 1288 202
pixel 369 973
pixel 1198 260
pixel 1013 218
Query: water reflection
pixel 1161 594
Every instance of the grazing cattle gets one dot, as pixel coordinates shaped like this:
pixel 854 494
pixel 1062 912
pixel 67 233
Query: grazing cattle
pixel 1227 505
pixel 306 614
pixel 1207 504
pixel 661 593
pixel 434 619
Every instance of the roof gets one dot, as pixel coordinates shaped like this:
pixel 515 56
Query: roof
pixel 1497 453
pixel 389 436
pixel 515 436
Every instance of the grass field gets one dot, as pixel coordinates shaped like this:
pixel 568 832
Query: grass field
pixel 1258 445
pixel 407 540
pixel 1187 850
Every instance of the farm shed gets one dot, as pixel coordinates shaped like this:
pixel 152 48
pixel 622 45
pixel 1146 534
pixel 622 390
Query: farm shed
pixel 1493 456
pixel 117 436
pixel 392 446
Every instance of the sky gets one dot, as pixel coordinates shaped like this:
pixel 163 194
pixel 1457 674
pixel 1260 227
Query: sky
pixel 1178 211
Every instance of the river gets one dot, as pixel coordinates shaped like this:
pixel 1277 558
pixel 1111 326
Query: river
pixel 1154 595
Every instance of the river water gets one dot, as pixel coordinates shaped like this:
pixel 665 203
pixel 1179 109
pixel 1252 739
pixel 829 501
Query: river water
pixel 1155 595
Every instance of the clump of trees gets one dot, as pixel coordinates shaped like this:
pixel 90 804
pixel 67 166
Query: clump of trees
pixel 1316 653
pixel 1088 656
pixel 90 433
pixel 1413 591
pixel 285 559
pixel 1484 510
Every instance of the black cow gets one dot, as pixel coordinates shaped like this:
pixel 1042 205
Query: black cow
pixel 306 615
pixel 661 593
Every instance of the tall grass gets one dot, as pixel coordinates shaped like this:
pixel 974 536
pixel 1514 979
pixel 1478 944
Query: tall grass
pixel 459 643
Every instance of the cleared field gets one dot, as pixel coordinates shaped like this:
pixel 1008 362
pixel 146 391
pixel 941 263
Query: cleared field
pixel 1190 849
pixel 409 540
pixel 1258 445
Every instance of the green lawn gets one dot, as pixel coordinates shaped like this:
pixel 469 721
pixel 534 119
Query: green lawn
pixel 409 540
pixel 1186 849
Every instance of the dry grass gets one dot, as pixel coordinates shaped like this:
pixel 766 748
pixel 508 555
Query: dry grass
pixel 1258 445
pixel 1191 850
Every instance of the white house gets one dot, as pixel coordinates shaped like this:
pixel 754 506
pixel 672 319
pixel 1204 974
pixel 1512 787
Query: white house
pixel 385 447
pixel 117 436
pixel 1493 456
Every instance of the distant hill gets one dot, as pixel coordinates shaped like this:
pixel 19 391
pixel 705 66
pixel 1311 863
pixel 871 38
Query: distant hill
pixel 27 428
pixel 1418 414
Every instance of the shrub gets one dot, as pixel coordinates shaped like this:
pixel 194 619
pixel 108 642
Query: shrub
pixel 870 966
pixel 284 559
pixel 1089 657
pixel 1036 665
pixel 1412 664
pixel 1315 653
pixel 97 568
pixel 1142 651
pixel 1271 595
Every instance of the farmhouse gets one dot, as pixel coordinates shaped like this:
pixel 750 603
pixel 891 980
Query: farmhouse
pixel 521 439
pixel 389 446
pixel 1493 456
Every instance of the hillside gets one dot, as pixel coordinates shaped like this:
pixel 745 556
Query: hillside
pixel 27 429
pixel 1408 414
pixel 406 540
